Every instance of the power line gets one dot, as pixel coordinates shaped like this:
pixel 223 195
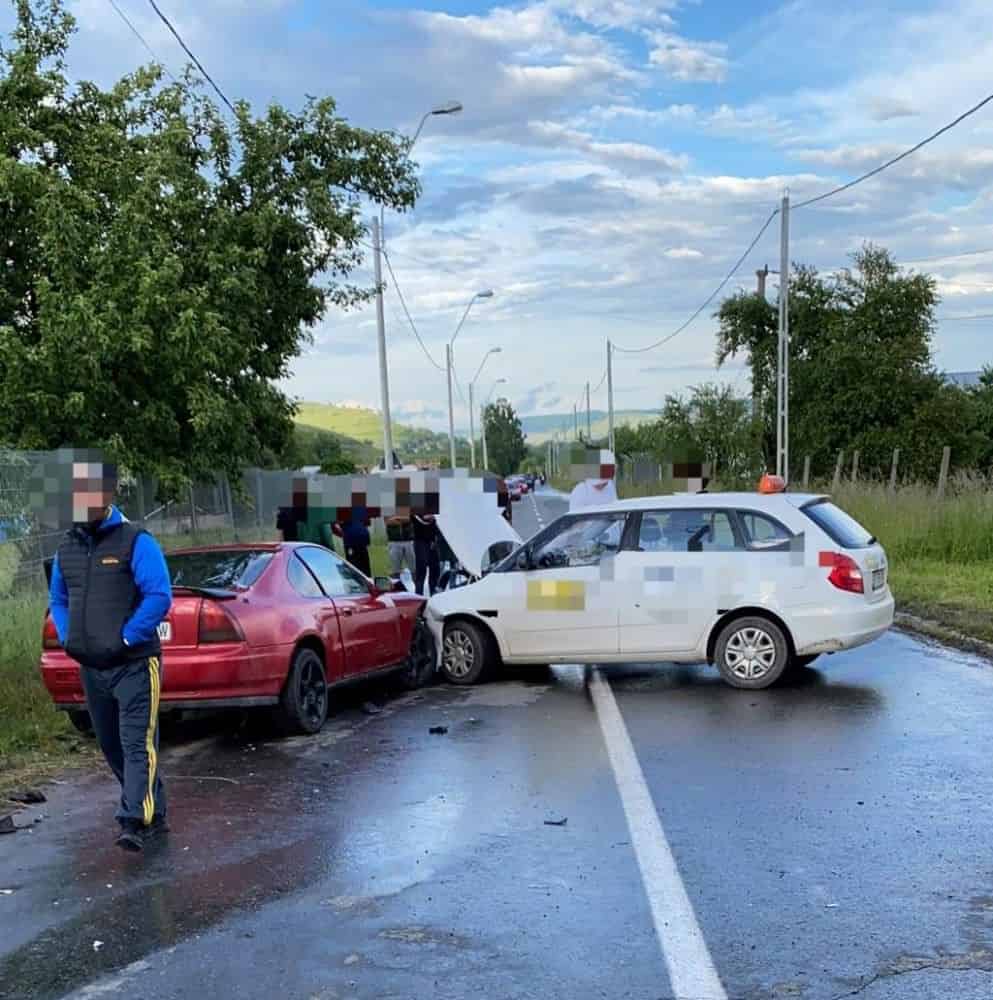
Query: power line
pixel 141 38
pixel 410 319
pixel 710 298
pixel 197 63
pixel 955 319
pixel 897 159
pixel 950 256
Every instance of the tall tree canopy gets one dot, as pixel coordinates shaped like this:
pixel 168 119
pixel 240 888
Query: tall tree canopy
pixel 505 445
pixel 861 370
pixel 160 265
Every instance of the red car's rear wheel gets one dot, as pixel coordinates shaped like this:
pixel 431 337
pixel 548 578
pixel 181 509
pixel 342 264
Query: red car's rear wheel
pixel 303 705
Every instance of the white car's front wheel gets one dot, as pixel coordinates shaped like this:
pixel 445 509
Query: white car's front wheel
pixel 751 653
pixel 466 654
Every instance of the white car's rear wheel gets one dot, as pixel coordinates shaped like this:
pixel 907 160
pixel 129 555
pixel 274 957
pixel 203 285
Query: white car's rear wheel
pixel 466 654
pixel 751 653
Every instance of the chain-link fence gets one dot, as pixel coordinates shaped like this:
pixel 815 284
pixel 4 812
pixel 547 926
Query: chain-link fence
pixel 30 532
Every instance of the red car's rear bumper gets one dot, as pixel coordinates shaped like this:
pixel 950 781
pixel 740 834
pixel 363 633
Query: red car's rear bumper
pixel 226 674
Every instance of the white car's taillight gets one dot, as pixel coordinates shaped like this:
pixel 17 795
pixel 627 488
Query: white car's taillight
pixel 845 573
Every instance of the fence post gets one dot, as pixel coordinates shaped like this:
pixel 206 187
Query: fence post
pixel 806 471
pixel 837 470
pixel 229 503
pixel 946 455
pixel 855 466
pixel 896 459
pixel 258 499
pixel 140 484
pixel 193 513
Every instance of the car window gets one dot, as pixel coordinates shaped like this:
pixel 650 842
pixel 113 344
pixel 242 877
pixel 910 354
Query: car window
pixel 301 579
pixel 581 541
pixel 680 530
pixel 336 578
pixel 221 568
pixel 761 530
pixel 843 529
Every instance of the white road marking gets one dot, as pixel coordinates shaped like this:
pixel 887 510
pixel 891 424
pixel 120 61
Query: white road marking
pixel 691 969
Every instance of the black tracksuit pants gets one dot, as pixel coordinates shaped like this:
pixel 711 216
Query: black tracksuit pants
pixel 426 564
pixel 123 703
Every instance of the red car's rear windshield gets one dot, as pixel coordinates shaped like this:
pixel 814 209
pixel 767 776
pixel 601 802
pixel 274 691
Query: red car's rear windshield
pixel 225 569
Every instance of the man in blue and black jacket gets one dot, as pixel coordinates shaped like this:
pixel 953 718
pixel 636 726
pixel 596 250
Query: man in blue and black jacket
pixel 109 591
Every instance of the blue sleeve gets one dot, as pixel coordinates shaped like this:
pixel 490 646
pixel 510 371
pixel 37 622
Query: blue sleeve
pixel 58 602
pixel 151 575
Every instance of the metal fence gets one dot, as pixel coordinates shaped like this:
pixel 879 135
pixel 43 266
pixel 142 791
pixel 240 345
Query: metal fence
pixel 208 512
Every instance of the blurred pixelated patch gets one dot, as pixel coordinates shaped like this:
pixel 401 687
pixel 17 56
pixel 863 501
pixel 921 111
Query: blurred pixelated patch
pixel 590 463
pixel 63 474
pixel 556 595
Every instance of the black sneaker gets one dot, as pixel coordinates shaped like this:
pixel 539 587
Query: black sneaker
pixel 158 828
pixel 132 836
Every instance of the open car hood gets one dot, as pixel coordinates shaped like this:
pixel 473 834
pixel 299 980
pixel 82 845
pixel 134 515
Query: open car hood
pixel 472 523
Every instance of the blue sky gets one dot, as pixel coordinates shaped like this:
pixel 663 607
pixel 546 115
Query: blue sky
pixel 613 159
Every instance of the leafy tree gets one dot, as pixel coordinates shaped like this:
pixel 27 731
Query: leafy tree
pixel 505 446
pixel 162 266
pixel 861 371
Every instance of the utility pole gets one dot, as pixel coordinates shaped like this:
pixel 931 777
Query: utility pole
pixel 762 275
pixel 589 426
pixel 451 406
pixel 610 397
pixel 482 434
pixel 384 377
pixel 575 421
pixel 472 432
pixel 783 367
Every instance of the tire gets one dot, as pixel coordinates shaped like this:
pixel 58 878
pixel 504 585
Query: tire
pixel 303 705
pixel 467 654
pixel 81 722
pixel 765 640
pixel 419 670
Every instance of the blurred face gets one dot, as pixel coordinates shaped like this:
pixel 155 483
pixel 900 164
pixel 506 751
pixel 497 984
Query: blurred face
pixel 93 488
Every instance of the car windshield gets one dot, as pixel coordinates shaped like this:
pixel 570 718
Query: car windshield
pixel 222 569
pixel 843 529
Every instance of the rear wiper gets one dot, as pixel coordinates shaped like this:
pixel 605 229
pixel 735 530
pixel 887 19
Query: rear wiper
pixel 873 539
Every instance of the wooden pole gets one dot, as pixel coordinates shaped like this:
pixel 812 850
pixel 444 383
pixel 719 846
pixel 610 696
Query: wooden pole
pixel 837 471
pixel 855 466
pixel 806 472
pixel 193 513
pixel 946 456
pixel 893 468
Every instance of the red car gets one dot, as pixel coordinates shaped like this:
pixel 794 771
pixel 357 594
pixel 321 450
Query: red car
pixel 268 625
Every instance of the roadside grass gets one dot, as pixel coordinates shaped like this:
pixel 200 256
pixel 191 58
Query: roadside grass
pixel 36 740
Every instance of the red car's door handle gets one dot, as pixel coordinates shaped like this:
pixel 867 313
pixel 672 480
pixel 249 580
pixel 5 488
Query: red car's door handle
pixel 347 612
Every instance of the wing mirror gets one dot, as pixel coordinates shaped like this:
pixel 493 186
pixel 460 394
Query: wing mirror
pixel 384 585
pixel 523 561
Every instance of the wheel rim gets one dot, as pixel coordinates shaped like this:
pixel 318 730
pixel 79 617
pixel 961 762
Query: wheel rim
pixel 421 657
pixel 313 693
pixel 460 653
pixel 750 653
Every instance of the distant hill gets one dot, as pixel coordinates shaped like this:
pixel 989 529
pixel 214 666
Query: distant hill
pixel 361 431
pixel 540 429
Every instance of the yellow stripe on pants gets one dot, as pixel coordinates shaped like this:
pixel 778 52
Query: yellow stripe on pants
pixel 153 718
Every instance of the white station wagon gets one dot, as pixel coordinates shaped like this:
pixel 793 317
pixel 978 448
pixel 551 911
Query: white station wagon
pixel 752 583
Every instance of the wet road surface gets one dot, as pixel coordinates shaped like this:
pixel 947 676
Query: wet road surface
pixel 832 836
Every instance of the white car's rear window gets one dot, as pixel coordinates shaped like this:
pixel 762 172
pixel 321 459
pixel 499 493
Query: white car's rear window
pixel 839 526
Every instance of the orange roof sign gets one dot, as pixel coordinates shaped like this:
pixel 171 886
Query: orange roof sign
pixel 772 484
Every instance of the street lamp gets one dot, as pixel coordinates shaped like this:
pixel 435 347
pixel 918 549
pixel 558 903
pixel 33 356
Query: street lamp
pixel 472 419
pixel 482 421
pixel 378 239
pixel 486 294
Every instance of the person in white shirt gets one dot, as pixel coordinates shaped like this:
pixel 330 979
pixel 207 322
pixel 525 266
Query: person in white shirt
pixel 600 488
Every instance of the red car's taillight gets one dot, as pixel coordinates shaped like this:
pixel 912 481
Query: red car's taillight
pixel 49 636
pixel 216 625
pixel 845 573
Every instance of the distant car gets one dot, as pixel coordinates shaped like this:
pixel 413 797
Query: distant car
pixel 268 625
pixel 754 584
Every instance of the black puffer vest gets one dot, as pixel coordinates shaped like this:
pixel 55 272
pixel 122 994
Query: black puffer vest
pixel 102 596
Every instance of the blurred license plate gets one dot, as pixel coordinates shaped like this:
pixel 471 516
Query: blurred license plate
pixel 165 631
pixel 878 578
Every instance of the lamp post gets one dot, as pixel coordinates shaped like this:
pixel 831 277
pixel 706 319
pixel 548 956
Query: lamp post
pixel 482 423
pixel 378 239
pixel 486 294
pixel 472 409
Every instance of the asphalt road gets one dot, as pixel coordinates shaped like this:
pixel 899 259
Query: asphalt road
pixel 827 839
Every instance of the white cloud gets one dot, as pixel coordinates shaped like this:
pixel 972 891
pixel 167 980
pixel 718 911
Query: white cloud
pixel 682 253
pixel 689 61
pixel 559 136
